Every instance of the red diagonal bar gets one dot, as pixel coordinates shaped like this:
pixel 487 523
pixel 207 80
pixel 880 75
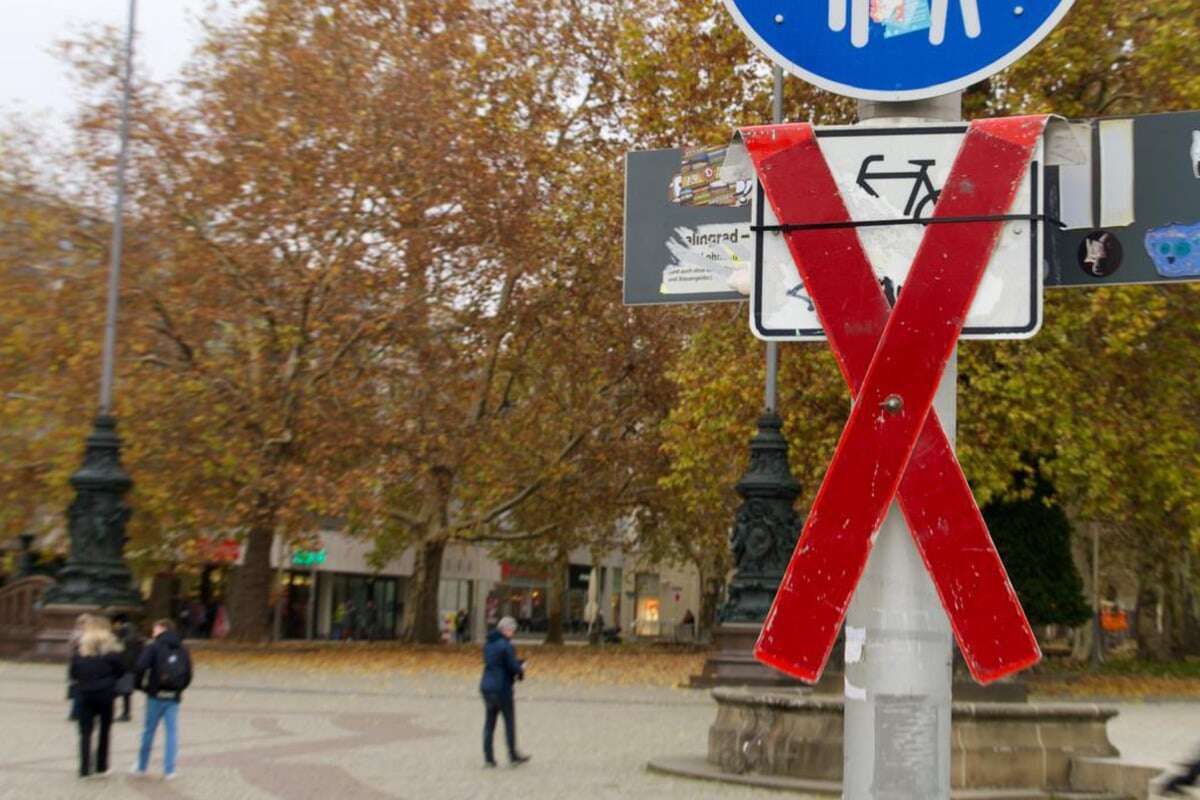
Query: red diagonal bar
pixel 945 521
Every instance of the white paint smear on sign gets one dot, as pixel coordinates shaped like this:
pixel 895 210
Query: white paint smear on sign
pixel 705 258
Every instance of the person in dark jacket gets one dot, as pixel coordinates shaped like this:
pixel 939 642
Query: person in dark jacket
pixel 500 669
pixel 164 671
pixel 131 642
pixel 72 648
pixel 95 668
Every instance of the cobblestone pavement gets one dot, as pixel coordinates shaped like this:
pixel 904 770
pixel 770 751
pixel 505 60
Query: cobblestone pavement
pixel 266 735
pixel 273 735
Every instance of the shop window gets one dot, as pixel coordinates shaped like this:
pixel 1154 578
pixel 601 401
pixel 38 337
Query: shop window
pixel 648 605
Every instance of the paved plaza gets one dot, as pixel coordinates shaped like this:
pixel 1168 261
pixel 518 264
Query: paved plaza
pixel 262 734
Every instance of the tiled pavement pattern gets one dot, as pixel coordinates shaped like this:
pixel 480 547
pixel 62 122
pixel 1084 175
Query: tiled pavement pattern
pixel 267 735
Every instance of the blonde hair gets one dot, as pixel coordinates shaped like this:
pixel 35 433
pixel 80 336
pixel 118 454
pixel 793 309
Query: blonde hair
pixel 97 638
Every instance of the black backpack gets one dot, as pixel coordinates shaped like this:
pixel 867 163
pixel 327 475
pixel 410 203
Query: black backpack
pixel 174 668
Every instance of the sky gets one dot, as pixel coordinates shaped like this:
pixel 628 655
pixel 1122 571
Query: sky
pixel 35 84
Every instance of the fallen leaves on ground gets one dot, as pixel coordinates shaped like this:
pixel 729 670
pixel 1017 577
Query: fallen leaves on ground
pixel 1125 687
pixel 623 665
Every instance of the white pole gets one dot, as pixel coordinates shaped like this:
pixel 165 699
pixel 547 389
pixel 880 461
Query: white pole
pixel 899 646
pixel 114 270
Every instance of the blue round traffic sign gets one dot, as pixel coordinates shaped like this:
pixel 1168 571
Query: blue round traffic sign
pixel 896 49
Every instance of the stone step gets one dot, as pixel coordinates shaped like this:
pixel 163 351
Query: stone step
pixel 698 768
pixel 1115 775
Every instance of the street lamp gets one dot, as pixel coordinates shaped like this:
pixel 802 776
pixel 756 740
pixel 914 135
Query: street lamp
pixel 96 574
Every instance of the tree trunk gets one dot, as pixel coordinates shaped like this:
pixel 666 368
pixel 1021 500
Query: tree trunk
pixel 556 600
pixel 421 599
pixel 710 598
pixel 163 590
pixel 1081 554
pixel 249 608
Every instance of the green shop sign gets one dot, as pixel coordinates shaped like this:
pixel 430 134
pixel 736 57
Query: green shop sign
pixel 308 558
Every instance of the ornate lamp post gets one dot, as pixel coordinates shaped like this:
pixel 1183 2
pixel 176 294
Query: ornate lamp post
pixel 96 574
pixel 766 526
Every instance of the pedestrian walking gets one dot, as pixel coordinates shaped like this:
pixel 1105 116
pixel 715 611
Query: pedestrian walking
pixel 95 668
pixel 371 621
pixel 164 671
pixel 81 623
pixel 462 627
pixel 339 622
pixel 131 650
pixel 500 669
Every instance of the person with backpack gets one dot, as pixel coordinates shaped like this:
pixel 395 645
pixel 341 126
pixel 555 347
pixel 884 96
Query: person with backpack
pixel 164 671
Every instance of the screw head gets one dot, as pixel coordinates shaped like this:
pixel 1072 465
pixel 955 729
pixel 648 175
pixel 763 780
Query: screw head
pixel 779 19
pixel 893 403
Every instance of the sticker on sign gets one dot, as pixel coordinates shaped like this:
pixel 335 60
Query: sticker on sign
pixel 891 179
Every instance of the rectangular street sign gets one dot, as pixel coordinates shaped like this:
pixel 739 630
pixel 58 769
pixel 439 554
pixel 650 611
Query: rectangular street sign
pixel 1132 213
pixel 687 232
pixel 894 176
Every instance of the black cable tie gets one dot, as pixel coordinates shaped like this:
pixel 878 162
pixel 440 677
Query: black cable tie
pixel 876 223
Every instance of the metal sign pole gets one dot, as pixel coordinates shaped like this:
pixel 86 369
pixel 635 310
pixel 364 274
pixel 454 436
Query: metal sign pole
pixel 769 397
pixel 114 271
pixel 898 640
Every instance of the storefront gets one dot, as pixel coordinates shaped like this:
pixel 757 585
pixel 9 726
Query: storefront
pixel 333 589
pixel 520 594
pixel 361 606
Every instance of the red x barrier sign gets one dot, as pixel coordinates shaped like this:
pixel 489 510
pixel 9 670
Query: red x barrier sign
pixel 892 361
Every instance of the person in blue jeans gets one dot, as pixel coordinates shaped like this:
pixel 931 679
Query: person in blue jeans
pixel 500 669
pixel 164 671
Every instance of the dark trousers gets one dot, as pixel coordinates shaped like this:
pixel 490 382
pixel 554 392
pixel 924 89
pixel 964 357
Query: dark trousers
pixel 498 703
pixel 93 705
pixel 1188 778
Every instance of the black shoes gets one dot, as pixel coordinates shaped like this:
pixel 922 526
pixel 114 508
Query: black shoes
pixel 1172 788
pixel 489 764
pixel 517 759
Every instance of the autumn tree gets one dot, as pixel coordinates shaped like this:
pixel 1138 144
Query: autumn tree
pixel 51 308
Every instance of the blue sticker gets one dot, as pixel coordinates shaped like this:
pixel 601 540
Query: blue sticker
pixel 1175 250
pixel 901 16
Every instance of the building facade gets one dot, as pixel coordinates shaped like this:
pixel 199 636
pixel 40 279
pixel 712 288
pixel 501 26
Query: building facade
pixel 332 589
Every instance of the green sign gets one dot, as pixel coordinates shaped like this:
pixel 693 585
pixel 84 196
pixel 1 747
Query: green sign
pixel 308 558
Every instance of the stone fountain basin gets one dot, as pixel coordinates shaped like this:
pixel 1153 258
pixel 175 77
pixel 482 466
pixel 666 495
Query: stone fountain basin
pixel 787 734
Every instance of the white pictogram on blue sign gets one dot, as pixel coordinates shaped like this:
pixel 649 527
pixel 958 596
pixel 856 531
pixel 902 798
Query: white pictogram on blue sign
pixel 896 49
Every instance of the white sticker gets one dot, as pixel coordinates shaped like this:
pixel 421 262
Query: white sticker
pixel 853 692
pixel 855 639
